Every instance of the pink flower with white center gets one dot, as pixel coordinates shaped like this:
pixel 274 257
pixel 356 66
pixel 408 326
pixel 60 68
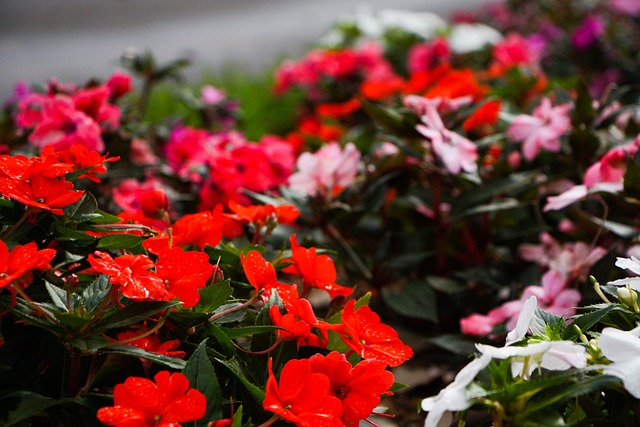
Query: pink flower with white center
pixel 455 151
pixel 326 172
pixel 542 130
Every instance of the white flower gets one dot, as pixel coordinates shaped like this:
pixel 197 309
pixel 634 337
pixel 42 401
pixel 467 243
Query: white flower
pixel 551 355
pixel 632 264
pixel 623 349
pixel 524 321
pixel 465 38
pixel 454 397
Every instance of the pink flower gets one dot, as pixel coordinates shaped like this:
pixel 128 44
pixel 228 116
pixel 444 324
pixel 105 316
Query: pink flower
pixel 542 130
pixel 62 126
pixel 425 56
pixel 455 151
pixel 186 152
pixel 326 172
pixel 606 175
pixel 516 50
pixel 94 103
pixel 627 7
pixel 128 193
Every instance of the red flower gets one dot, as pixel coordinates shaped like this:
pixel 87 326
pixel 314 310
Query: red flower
pixel 139 402
pixel 483 117
pixel 370 338
pixel 302 397
pixel 154 203
pixel 262 275
pixel 317 271
pixel 358 387
pixel 37 182
pixel 298 324
pixel 152 344
pixel 183 273
pixel 89 162
pixel 260 215
pixel 16 263
pixel 132 274
pixel 200 229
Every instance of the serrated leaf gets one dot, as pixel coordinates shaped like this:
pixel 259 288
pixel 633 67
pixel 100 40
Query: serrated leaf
pixel 136 312
pixel 96 292
pixel 586 322
pixel 202 377
pixel 235 368
pixel 225 345
pixel 58 296
pixel 28 405
pixel 213 296
pixel 417 299
pixel 119 241
pixel 540 321
pixel 233 316
pixel 131 350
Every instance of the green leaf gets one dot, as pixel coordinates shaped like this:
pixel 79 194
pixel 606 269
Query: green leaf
pixel 457 344
pixel 90 344
pixel 81 210
pixel 233 316
pixel 225 345
pixel 102 217
pixel 28 405
pixel 541 320
pixel 136 312
pixel 96 292
pixel 586 321
pixel 622 230
pixel 237 418
pixel 247 331
pixel 213 296
pixel 498 205
pixel 477 195
pixel 131 350
pixel 58 296
pixel 119 241
pixel 69 234
pixel 390 119
pixel 417 299
pixel 202 377
pixel 632 179
pixel 235 368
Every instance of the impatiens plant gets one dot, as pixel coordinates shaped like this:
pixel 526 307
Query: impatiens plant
pixel 463 180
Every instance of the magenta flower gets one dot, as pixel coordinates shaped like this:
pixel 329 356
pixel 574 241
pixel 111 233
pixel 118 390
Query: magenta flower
pixel 454 151
pixel 587 33
pixel 627 7
pixel 542 130
pixel 326 172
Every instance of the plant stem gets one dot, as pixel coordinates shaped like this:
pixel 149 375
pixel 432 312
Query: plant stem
pixel 335 234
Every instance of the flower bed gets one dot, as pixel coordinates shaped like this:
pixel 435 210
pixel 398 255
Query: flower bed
pixel 472 180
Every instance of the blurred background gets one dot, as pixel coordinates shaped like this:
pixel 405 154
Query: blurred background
pixel 74 40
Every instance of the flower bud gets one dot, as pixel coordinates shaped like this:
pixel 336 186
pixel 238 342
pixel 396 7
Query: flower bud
pixel 628 297
pixel 154 204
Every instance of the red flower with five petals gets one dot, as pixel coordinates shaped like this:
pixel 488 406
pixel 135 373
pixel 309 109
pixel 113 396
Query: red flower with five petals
pixel 20 260
pixel 262 275
pixel 317 271
pixel 370 338
pixel 358 387
pixel 302 397
pixel 139 402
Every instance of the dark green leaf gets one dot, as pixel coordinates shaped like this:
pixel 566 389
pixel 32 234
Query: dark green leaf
pixel 233 316
pixel 622 230
pixel 586 321
pixel 390 120
pixel 136 312
pixel 90 344
pixel 225 345
pixel 235 368
pixel 416 299
pixel 81 210
pixel 96 292
pixel 58 296
pixel 213 296
pixel 202 377
pixel 119 241
pixel 69 234
pixel 105 218
pixel 632 179
pixel 247 331
pixel 130 350
pixel 457 344
pixel 23 405
pixel 540 321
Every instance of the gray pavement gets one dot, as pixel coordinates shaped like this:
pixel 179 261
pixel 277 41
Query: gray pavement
pixel 74 40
